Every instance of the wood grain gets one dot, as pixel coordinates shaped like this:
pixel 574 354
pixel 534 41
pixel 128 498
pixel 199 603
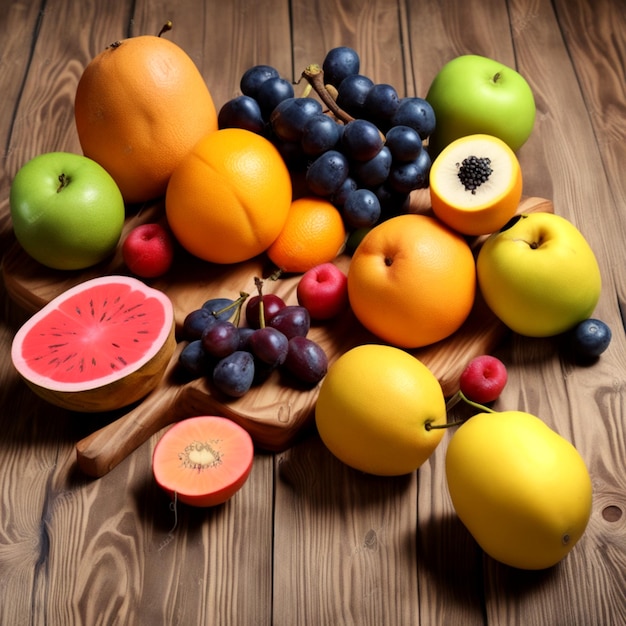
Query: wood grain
pixel 307 540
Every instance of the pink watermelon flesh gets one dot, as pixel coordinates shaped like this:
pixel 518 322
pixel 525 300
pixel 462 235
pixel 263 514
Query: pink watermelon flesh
pixel 93 334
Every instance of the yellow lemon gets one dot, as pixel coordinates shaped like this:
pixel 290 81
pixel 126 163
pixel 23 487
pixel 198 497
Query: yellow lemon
pixel 521 489
pixel 375 408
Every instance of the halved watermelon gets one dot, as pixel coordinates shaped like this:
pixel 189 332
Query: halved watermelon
pixel 100 345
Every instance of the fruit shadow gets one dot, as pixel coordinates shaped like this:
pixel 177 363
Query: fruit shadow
pixel 464 572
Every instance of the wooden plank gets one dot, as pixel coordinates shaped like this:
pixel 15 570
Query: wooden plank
pixel 19 30
pixel 344 542
pixel 43 121
pixel 449 563
pixel 372 29
pixel 563 147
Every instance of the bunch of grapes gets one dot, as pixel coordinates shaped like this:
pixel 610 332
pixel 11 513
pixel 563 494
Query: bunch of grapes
pixel 236 357
pixel 359 144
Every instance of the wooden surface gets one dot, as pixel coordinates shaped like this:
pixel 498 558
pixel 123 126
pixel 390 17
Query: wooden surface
pixel 307 540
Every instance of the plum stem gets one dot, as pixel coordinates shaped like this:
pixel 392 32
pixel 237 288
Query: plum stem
pixel 235 303
pixel 259 286
pixel 453 401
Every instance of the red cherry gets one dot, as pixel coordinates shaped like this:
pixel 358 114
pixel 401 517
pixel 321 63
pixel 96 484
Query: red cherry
pixel 483 379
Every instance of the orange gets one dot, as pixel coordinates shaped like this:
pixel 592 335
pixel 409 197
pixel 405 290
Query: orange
pixel 228 199
pixel 412 281
pixel 140 106
pixel 314 233
pixel 491 204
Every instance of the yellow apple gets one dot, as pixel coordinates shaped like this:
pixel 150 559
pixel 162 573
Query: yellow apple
pixel 539 275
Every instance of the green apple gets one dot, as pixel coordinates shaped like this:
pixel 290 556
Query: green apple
pixel 539 275
pixel 472 95
pixel 67 211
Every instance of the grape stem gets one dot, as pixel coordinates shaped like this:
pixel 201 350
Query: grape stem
pixel 315 76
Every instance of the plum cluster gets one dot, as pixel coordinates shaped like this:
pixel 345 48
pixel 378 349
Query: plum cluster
pixel 358 144
pixel 236 357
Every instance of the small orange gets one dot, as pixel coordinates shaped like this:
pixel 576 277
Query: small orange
pixel 228 199
pixel 412 281
pixel 140 106
pixel 314 233
pixel 476 184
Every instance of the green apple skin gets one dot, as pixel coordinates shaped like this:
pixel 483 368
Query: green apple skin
pixel 473 94
pixel 539 276
pixel 66 226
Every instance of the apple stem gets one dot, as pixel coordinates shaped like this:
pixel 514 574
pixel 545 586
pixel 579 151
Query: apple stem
pixel 64 181
pixel 496 77
pixel 452 402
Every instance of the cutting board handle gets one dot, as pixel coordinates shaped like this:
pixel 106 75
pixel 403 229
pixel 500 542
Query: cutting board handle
pixel 98 453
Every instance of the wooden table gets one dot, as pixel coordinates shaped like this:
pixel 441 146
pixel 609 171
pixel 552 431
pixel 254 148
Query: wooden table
pixel 307 540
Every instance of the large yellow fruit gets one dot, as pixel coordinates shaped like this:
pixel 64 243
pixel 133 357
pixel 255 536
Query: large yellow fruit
pixel 521 489
pixel 140 106
pixel 374 409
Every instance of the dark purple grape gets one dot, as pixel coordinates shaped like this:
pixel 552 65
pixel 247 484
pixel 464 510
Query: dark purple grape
pixel 352 92
pixel 220 339
pixel 293 321
pixel 290 116
pixel 405 177
pixel 320 134
pixel 381 104
pixel 327 173
pixel 306 360
pixel 361 140
pixel 254 77
pixel 361 209
pixel 271 93
pixel 269 345
pixel 272 304
pixel 375 171
pixel 196 322
pixel 391 202
pixel 416 113
pixel 241 112
pixel 234 374
pixel 194 359
pixel 404 143
pixel 339 63
pixel 220 308
pixel 339 197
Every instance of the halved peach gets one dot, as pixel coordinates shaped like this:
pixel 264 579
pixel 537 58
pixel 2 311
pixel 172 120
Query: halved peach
pixel 476 184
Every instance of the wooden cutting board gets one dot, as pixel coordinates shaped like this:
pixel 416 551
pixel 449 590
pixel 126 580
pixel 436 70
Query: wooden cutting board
pixel 274 413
